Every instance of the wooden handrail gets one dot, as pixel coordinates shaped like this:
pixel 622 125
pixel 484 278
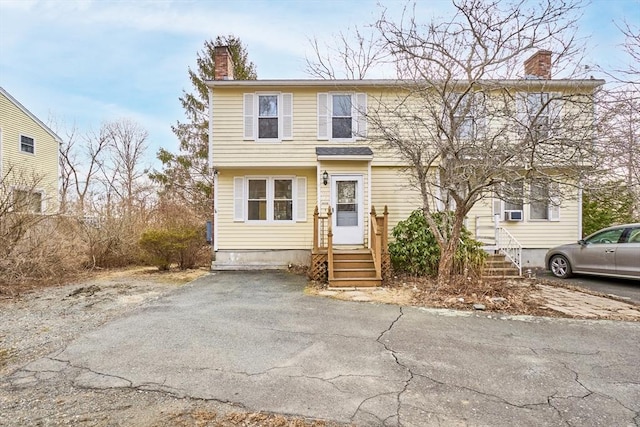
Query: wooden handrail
pixel 315 229
pixel 330 245
pixel 376 243
pixel 319 230
pixel 385 230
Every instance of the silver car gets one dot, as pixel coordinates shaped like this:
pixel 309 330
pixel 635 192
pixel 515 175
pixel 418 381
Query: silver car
pixel 613 251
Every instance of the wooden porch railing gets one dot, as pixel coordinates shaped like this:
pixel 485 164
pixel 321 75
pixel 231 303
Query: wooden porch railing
pixel 330 245
pixel 378 238
pixel 320 230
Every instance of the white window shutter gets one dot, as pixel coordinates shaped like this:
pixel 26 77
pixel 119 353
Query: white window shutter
pixel 238 198
pixel 287 116
pixel 323 116
pixel 249 116
pixel 497 208
pixel 479 113
pixel 360 115
pixel 522 115
pixel 301 199
pixel 555 113
pixel 554 202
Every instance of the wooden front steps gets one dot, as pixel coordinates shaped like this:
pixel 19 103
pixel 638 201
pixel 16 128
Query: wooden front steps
pixel 497 266
pixel 353 268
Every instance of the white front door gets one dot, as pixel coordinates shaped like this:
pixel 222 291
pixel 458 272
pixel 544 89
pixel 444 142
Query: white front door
pixel 348 209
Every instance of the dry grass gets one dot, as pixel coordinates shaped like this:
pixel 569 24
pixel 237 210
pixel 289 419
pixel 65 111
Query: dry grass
pixel 210 418
pixel 505 296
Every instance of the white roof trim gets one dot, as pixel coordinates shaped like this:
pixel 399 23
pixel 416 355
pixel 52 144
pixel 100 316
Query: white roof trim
pixel 30 114
pixel 346 157
pixel 515 83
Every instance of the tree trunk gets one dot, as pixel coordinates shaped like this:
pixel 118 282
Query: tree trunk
pixel 446 266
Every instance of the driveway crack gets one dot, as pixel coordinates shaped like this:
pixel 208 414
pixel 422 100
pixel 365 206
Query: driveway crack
pixel 398 394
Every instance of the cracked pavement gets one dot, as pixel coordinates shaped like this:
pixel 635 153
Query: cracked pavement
pixel 256 341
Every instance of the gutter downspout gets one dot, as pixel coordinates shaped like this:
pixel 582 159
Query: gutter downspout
pixel 212 172
pixel 579 211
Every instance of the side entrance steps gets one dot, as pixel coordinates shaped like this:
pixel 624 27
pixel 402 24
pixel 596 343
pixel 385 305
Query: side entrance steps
pixel 353 268
pixel 497 266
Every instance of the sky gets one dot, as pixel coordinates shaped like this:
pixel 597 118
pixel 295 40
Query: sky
pixel 84 62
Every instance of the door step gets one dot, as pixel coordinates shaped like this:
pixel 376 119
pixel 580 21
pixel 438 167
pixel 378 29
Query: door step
pixel 353 269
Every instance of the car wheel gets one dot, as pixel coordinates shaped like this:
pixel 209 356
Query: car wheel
pixel 560 267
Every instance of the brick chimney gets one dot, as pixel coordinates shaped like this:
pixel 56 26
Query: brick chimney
pixel 223 65
pixel 538 65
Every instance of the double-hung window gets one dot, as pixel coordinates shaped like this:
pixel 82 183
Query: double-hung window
pixel 268 117
pixel 541 201
pixel 509 200
pixel 270 199
pixel 27 144
pixel 257 200
pixel 465 127
pixel 342 116
pixel 534 114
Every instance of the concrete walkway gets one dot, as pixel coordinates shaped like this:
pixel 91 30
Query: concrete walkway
pixel 254 339
pixel 580 304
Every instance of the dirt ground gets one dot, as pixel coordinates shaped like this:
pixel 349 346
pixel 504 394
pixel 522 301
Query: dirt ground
pixel 36 321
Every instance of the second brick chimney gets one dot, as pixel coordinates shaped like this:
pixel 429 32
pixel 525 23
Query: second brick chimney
pixel 538 65
pixel 222 63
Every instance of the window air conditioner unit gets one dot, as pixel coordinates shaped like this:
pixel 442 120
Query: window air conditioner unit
pixel 513 215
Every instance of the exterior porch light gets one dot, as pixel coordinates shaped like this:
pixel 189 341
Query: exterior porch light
pixel 325 177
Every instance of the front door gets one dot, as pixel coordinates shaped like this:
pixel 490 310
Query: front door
pixel 348 209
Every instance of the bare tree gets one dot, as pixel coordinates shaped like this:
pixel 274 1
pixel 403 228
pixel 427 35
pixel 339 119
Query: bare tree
pixel 351 55
pixel 81 158
pixel 466 120
pixel 124 173
pixel 618 148
pixel 631 47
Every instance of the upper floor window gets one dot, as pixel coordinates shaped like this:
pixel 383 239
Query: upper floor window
pixel 27 144
pixel 467 114
pixel 342 116
pixel 268 117
pixel 465 127
pixel 534 110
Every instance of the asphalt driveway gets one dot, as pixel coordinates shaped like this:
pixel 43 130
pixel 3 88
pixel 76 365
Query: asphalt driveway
pixel 255 339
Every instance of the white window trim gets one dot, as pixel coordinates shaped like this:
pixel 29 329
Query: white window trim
pixel 298 199
pixel 353 116
pixel 285 116
pixel 473 131
pixel 551 111
pixel 358 118
pixel 20 145
pixel 553 208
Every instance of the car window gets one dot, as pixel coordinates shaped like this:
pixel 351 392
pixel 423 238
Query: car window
pixel 604 237
pixel 634 236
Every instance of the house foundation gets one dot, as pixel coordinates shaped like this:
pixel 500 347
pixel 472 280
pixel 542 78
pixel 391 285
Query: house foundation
pixel 260 259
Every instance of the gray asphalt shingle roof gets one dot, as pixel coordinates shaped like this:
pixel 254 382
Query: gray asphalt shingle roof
pixel 343 151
